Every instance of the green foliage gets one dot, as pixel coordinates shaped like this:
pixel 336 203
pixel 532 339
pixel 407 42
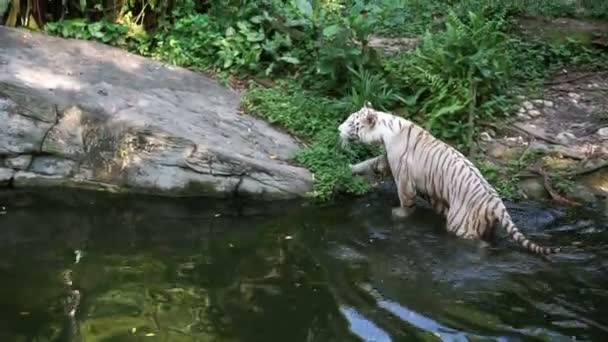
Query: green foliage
pixel 454 74
pixel 537 59
pixel 503 180
pixel 244 43
pixel 189 42
pixel 303 113
pixel 367 86
pixel 563 184
pixel 315 119
pixel 344 44
pixel 102 31
pixel 240 47
pixel 408 17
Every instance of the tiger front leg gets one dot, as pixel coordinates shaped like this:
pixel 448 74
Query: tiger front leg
pixel 407 197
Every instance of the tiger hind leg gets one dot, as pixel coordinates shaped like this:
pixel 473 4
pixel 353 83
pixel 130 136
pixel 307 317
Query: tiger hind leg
pixel 439 207
pixel 457 223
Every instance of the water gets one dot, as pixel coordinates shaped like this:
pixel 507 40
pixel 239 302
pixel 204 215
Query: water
pixel 154 269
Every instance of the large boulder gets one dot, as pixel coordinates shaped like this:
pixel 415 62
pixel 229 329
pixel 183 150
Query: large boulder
pixel 77 113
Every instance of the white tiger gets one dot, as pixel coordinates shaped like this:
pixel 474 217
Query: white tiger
pixel 424 165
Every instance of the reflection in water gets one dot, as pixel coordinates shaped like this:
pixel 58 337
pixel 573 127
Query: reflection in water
pixel 205 270
pixel 362 327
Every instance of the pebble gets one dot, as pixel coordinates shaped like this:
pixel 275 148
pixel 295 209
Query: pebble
pixel 603 132
pixel 528 105
pixel 575 97
pixel 565 137
pixel 539 102
pixel 534 113
pixel 485 136
pixel 501 152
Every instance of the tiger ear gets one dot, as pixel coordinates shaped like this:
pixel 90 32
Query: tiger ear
pixel 367 104
pixel 370 119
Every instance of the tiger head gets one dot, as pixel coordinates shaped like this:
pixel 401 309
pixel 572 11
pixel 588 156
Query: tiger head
pixel 361 126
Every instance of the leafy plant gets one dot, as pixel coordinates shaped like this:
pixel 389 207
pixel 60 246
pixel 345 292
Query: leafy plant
pixel 367 86
pixel 504 181
pixel 458 76
pixel 102 31
pixel 406 17
pixel 344 44
pixel 189 41
pixel 537 59
pixel 314 119
pixel 240 47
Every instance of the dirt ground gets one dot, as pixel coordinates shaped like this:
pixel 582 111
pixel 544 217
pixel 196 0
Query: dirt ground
pixel 566 122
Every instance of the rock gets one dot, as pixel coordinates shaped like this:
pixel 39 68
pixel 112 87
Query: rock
pixel 19 134
pixel 392 46
pixel 522 114
pixel 542 103
pixel 538 102
pixel 533 188
pixel 30 179
pixel 565 138
pixel 603 132
pixel 554 163
pixel 528 105
pixel 597 182
pixel 21 162
pixel 65 137
pixel 36 104
pixel 502 152
pixel 534 113
pixel 6 175
pixel 50 165
pixel 574 97
pixel 485 136
pixel 582 194
pixel 114 121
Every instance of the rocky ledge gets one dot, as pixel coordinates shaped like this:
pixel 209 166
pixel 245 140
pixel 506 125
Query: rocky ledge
pixel 81 114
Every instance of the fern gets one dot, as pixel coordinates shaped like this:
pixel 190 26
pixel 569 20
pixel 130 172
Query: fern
pixel 470 52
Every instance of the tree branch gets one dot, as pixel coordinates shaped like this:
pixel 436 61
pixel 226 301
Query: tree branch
pixel 373 166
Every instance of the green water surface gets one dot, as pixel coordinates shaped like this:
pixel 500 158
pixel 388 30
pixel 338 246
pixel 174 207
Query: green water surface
pixel 207 270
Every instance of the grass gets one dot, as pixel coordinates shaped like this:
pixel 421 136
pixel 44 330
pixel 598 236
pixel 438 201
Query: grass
pixel 314 119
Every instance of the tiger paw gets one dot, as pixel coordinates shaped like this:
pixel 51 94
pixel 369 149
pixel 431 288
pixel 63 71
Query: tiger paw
pixel 401 212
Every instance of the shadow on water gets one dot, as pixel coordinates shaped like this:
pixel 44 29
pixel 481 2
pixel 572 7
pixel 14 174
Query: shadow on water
pixel 207 270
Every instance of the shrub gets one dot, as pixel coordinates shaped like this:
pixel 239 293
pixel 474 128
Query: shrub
pixel 102 31
pixel 458 76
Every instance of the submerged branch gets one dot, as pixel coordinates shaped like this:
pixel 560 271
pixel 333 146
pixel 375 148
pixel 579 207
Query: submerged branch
pixel 555 196
pixel 373 166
